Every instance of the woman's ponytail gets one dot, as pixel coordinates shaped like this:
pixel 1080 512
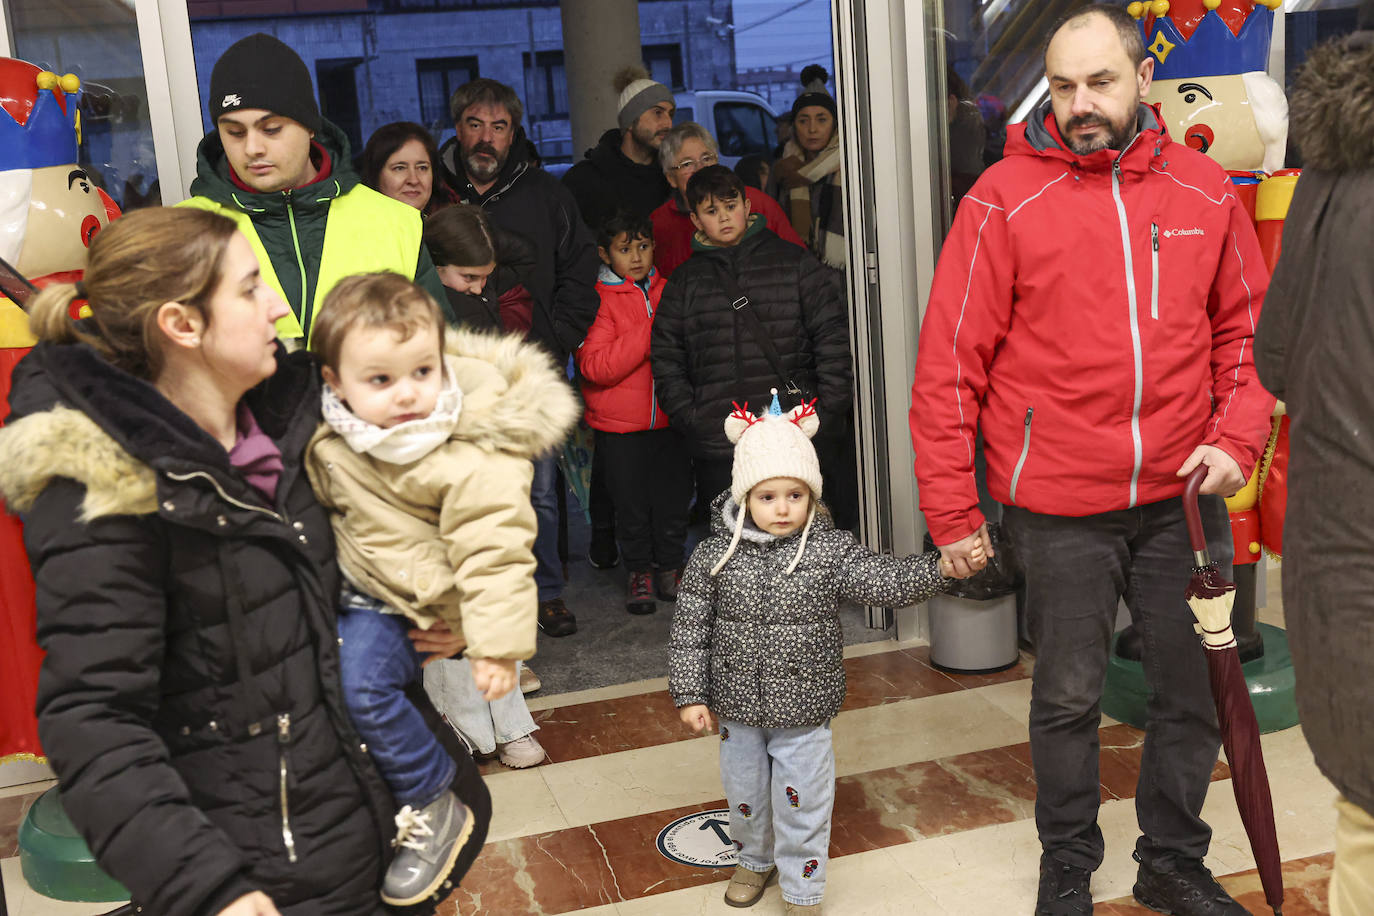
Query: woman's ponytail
pixel 50 317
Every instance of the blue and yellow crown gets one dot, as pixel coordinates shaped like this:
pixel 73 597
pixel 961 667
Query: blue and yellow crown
pixel 40 120
pixel 1194 38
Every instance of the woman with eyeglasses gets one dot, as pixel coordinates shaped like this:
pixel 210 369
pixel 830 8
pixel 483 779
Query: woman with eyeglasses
pixel 687 149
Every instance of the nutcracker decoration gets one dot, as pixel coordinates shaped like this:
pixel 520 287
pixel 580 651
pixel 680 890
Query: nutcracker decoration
pixel 1214 95
pixel 50 209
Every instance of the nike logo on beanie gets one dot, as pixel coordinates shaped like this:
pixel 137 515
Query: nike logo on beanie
pixel 231 99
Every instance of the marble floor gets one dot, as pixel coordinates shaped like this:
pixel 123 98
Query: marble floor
pixel 933 810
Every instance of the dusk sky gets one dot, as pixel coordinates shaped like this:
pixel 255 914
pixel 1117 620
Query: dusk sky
pixel 782 32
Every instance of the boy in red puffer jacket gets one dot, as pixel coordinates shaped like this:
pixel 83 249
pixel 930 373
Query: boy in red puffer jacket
pixel 647 467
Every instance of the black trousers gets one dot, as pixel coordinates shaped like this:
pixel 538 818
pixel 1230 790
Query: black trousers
pixel 600 506
pixel 713 478
pixel 649 476
pixel 1075 570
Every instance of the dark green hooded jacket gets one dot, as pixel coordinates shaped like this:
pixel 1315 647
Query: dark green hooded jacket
pixel 291 224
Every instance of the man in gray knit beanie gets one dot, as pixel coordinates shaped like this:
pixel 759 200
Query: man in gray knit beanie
pixel 622 172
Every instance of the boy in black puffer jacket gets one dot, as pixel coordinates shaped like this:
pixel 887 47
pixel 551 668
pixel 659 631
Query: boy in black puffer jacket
pixel 706 353
pixel 757 640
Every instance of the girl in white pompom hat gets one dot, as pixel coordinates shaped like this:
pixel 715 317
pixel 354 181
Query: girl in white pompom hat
pixel 757 642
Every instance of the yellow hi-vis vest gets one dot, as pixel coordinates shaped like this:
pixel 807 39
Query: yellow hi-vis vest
pixel 366 231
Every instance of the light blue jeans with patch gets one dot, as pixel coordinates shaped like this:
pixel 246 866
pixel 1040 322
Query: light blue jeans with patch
pixel 780 785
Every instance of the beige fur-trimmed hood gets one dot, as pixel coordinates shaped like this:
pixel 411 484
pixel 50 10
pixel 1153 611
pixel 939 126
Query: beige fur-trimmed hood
pixel 63 442
pixel 514 398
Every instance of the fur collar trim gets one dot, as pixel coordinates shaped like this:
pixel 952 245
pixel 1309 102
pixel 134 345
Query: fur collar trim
pixel 514 398
pixel 63 442
pixel 1332 110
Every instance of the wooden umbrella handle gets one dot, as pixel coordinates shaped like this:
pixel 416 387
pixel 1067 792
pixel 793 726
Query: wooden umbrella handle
pixel 1196 536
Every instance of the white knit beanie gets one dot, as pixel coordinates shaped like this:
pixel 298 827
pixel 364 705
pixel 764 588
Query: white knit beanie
pixel 775 444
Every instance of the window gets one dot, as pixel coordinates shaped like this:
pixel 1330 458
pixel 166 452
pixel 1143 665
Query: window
pixel 665 64
pixel 741 130
pixel 546 82
pixel 337 81
pixel 439 77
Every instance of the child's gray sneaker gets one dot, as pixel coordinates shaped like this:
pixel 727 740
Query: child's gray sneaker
pixel 428 841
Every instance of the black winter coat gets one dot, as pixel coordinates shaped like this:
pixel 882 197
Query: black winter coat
pixel 190 700
pixel 704 355
pixel 607 180
pixel 1313 349
pixel 533 204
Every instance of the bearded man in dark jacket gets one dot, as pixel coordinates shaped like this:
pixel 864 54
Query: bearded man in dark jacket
pixel 284 175
pixel 621 173
pixel 1313 349
pixel 485 165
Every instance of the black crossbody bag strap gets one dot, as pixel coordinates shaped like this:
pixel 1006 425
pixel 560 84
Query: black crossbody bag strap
pixel 740 303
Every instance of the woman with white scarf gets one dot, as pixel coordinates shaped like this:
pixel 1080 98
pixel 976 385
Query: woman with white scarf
pixel 810 180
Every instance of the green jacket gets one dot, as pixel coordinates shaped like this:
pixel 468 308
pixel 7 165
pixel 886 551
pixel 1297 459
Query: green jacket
pixel 290 228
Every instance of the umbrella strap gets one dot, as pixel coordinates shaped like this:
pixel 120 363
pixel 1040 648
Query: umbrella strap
pixel 1216 639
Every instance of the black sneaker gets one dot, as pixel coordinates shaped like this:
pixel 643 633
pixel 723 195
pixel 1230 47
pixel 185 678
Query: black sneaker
pixel 1063 889
pixel 1182 887
pixel 639 594
pixel 555 619
pixel 603 553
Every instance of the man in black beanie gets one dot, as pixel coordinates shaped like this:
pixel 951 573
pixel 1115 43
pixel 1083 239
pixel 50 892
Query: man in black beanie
pixel 283 173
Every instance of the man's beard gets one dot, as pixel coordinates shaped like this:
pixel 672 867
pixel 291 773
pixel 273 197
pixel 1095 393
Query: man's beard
pixel 647 139
pixel 483 169
pixel 1116 136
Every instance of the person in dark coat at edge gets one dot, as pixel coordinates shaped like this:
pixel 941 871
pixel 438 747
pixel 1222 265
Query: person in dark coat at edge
pixel 621 175
pixel 190 700
pixel 1313 349
pixel 284 175
pixel 486 164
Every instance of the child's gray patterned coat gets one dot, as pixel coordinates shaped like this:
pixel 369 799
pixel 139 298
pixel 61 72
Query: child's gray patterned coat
pixel 764 648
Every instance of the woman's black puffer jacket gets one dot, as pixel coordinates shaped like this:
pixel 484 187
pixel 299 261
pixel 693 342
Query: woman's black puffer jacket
pixel 704 355
pixel 190 700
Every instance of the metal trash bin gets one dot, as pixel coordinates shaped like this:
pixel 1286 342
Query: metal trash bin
pixel 971 636
pixel 973 627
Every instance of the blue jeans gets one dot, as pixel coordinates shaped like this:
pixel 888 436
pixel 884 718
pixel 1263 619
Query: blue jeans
pixel 548 569
pixel 780 785
pixel 1076 569
pixel 377 661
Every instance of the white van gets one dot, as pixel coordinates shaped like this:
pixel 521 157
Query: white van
pixel 743 123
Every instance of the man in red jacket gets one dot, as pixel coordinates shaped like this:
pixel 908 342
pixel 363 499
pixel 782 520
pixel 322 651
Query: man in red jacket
pixel 1092 316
